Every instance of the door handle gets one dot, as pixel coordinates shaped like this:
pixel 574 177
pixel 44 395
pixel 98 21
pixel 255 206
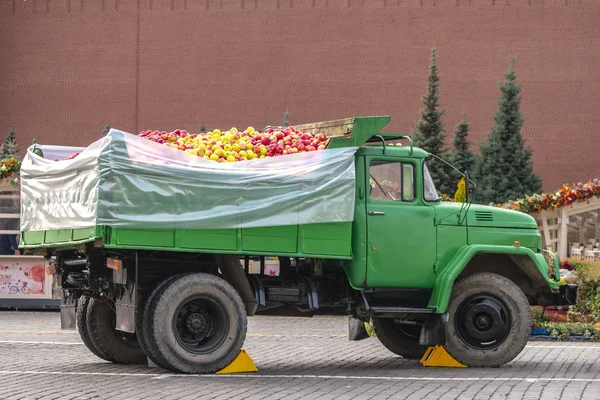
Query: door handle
pixel 376 213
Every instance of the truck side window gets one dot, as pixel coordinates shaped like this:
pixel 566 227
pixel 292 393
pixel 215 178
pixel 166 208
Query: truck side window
pixel 408 184
pixel 392 181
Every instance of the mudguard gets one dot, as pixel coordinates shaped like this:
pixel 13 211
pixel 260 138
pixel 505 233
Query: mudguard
pixel 442 289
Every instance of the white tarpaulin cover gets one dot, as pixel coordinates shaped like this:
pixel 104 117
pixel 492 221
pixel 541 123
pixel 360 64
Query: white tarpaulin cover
pixel 123 180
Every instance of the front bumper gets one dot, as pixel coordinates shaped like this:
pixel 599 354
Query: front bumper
pixel 566 296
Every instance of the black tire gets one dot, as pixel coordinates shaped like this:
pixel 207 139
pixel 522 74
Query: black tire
pixel 356 329
pixel 489 321
pixel 401 339
pixel 82 328
pixel 198 324
pixel 142 325
pixel 119 347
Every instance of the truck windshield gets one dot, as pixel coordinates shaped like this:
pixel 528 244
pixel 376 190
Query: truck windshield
pixel 429 187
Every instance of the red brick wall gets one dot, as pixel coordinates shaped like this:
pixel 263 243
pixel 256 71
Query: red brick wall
pixel 68 67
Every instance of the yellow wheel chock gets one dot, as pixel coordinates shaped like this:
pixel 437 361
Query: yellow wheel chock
pixel 437 356
pixel 242 363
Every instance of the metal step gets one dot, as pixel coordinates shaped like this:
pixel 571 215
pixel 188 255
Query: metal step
pixel 402 310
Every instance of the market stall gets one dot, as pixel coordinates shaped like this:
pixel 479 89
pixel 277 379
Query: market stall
pixel 23 279
pixel 568 218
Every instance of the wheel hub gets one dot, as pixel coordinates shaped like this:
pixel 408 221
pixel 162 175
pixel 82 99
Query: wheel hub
pixel 200 325
pixel 483 321
pixel 196 323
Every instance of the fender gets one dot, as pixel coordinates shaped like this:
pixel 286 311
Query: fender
pixel 442 288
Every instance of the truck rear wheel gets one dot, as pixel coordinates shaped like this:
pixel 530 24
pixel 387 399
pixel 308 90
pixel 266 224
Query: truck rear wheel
pixel 198 323
pixel 400 339
pixel 82 328
pixel 142 323
pixel 489 321
pixel 118 347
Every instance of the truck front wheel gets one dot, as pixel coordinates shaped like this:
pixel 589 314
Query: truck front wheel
pixel 489 321
pixel 116 346
pixel 401 339
pixel 197 323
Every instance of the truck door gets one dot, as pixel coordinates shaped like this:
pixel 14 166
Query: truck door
pixel 401 236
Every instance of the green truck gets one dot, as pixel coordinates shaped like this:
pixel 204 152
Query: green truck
pixel 425 271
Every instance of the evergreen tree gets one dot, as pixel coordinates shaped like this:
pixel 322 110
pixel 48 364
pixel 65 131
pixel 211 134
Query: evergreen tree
pixel 461 156
pixel 430 132
pixel 504 170
pixel 9 148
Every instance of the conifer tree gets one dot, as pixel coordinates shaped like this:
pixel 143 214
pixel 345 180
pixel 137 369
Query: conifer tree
pixel 9 148
pixel 461 155
pixel 504 170
pixel 430 132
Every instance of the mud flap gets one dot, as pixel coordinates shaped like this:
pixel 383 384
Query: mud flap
pixel 125 307
pixel 356 329
pixel 68 310
pixel 434 330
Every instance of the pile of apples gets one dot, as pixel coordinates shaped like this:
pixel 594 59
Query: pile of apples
pixel 233 145
pixel 72 156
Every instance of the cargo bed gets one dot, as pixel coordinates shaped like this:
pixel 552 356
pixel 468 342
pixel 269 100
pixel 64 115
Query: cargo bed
pixel 326 240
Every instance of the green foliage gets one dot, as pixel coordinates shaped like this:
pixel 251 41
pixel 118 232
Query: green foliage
pixel 539 315
pixel 562 330
pixel 588 301
pixel 504 170
pixel 430 132
pixel 461 155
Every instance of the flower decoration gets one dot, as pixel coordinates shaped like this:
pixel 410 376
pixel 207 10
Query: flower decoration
pixel 9 169
pixel 564 197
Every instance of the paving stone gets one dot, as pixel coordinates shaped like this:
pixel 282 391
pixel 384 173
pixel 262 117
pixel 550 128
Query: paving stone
pixel 297 358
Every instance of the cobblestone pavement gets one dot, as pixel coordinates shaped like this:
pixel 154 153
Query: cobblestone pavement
pixel 297 358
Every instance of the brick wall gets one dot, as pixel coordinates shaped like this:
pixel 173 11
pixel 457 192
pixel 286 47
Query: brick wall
pixel 69 67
